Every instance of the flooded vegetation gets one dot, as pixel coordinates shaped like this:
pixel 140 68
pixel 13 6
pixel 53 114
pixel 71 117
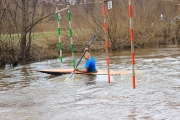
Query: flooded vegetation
pixel 27 94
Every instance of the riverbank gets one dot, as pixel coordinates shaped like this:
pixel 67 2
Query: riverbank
pixel 50 50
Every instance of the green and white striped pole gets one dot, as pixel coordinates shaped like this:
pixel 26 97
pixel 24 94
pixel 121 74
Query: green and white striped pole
pixel 70 34
pixel 59 33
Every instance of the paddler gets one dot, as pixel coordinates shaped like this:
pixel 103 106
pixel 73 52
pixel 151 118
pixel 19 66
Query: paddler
pixel 90 65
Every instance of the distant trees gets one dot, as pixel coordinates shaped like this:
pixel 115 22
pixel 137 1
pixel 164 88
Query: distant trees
pixel 20 18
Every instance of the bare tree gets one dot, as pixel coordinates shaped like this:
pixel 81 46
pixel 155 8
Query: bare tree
pixel 31 13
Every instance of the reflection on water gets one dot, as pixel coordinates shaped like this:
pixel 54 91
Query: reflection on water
pixel 90 80
pixel 30 95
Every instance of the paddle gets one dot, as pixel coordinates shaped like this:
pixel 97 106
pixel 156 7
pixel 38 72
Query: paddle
pixel 91 41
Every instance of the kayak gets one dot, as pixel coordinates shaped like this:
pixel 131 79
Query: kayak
pixel 69 71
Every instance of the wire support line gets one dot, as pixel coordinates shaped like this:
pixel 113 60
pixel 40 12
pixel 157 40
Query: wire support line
pixel 75 4
pixel 63 9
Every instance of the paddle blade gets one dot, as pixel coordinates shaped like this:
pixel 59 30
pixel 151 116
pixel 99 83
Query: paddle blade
pixel 71 75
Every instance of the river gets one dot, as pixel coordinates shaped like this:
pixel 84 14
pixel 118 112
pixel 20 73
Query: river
pixel 30 95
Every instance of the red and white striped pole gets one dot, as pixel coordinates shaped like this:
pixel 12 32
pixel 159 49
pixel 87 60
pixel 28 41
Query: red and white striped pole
pixel 132 43
pixel 106 39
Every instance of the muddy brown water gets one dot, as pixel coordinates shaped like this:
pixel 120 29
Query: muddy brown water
pixel 26 94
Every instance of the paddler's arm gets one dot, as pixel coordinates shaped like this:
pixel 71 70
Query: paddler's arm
pixel 82 71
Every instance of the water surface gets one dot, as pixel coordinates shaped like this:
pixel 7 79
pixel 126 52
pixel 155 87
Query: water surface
pixel 30 95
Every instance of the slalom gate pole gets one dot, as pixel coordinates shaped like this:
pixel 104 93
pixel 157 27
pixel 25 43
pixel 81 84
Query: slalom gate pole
pixel 58 17
pixel 106 39
pixel 70 34
pixel 132 43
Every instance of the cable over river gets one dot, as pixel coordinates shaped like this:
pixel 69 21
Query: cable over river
pixel 26 94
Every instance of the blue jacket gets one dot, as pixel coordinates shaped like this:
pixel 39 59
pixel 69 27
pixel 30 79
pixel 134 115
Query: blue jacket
pixel 91 65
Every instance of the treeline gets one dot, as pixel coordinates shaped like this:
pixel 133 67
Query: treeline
pixel 155 22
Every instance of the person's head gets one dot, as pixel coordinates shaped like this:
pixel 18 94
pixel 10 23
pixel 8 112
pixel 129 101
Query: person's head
pixel 87 56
